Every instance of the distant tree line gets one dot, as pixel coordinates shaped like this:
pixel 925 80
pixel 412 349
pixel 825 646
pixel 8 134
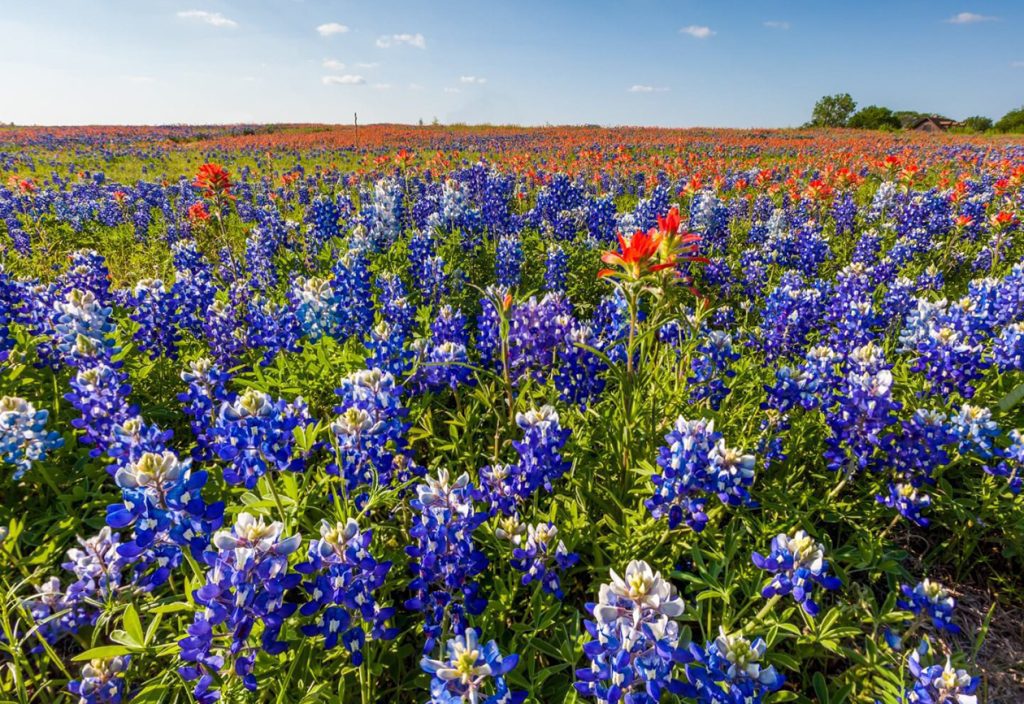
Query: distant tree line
pixel 840 110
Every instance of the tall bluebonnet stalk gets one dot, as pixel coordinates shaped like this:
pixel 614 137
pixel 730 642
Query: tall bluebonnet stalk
pixel 635 640
pixel 344 578
pixel 155 313
pixel 24 439
pixel 247 580
pixel 695 463
pixel 469 672
pixel 253 436
pixel 798 564
pixel 369 432
pixel 445 560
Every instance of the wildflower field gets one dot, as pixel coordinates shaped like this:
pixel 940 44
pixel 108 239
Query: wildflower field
pixel 389 414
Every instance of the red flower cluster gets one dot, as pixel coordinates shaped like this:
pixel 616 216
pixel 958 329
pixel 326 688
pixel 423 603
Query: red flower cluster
pixel 198 212
pixel 655 250
pixel 214 180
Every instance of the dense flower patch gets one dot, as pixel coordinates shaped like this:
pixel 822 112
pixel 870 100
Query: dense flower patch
pixel 556 416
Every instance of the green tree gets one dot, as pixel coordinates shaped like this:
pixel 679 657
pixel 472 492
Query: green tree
pixel 874 117
pixel 833 110
pixel 1012 121
pixel 977 123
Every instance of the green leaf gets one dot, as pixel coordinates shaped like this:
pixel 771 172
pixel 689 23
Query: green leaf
pixel 133 625
pixel 820 688
pixel 1011 399
pixel 154 693
pixel 103 652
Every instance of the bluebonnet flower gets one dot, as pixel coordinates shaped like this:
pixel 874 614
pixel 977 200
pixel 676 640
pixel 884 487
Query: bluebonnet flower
pixel 449 326
pixel 155 312
pixel 864 410
pixel 100 394
pixel 394 305
pixel 950 362
pixel 314 303
pixel 87 272
pixel 323 216
pixel 938 684
pixel 352 295
pixel 711 368
pixel 1012 464
pixel 1008 348
pixel 635 640
pixel 163 503
pixel 98 567
pixel 253 435
pixel 344 577
pixel 975 431
pixel 132 439
pixel 445 365
pixel 225 333
pixel 193 286
pixel 83 329
pixel 798 563
pixel 272 326
pixel 730 671
pixel 388 350
pixel 536 331
pixel 695 463
pixel 260 247
pixel 445 560
pixel 469 672
pixel 930 599
pixel 370 430
pixel 246 583
pixel 789 315
pixel 102 681
pixel 24 438
pixel 580 374
pixel 555 268
pixel 542 559
pixel 540 459
pixel 908 500
pixel 421 248
pixel 921 446
pixel 207 391
pixel 508 261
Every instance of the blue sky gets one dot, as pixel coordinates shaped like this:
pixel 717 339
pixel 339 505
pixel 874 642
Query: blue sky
pixel 644 62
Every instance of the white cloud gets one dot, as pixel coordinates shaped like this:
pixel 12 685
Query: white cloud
pixel 382 86
pixel 416 87
pixel 969 18
pixel 472 80
pixel 776 24
pixel 452 90
pixel 698 31
pixel 362 64
pixel 640 88
pixel 211 18
pixel 345 79
pixel 417 40
pixel 330 29
pixel 333 65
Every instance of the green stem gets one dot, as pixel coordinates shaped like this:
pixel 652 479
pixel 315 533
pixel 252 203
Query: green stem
pixel 277 499
pixel 759 616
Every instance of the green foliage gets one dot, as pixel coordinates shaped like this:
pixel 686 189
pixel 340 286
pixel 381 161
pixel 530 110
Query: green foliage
pixel 977 123
pixel 874 117
pixel 1012 121
pixel 833 110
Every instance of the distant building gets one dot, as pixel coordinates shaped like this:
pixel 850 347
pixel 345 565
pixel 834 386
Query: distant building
pixel 932 123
